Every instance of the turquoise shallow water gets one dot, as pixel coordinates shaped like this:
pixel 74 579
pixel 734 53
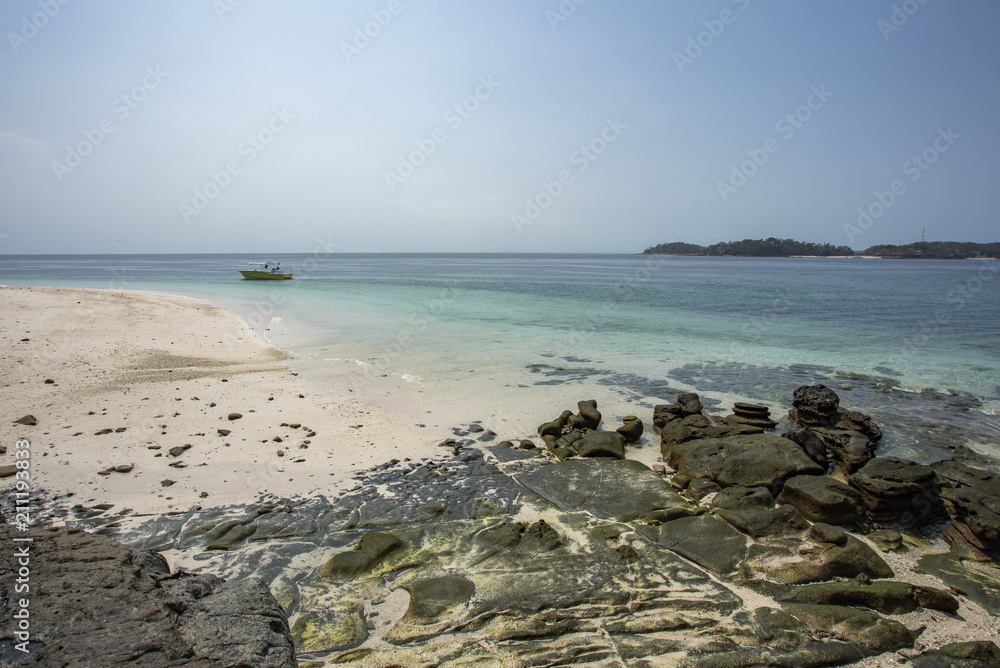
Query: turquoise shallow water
pixel 914 342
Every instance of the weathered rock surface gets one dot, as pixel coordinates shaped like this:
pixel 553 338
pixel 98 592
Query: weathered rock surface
pixel 816 562
pixel 613 489
pixel 899 494
pixel 693 427
pixel 850 450
pixel 686 404
pixel 972 654
pixel 752 511
pixel 972 498
pixel 885 596
pixel 752 460
pixel 860 627
pixel 814 406
pixel 823 499
pixel 95 604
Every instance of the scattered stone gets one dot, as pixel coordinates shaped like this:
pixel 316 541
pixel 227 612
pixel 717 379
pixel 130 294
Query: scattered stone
pixel 49 381
pixel 176 451
pixel 8 470
pixel 224 432
pixel 820 562
pixel 628 489
pixel 631 431
pixel 103 431
pixel 124 468
pixel 166 483
pixel 277 439
pixel 120 430
pixel 203 495
pixel 234 416
pixel 28 420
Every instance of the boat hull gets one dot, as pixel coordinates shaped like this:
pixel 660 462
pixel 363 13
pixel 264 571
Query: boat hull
pixel 264 275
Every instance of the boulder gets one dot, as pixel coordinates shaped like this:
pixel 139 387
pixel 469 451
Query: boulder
pixel 823 499
pixel 751 510
pixel 849 449
pixel 814 406
pixel 601 444
pixel 588 411
pixel 899 494
pixel 855 421
pixel 27 420
pixel 103 606
pixel 631 431
pixel 752 460
pixel 811 444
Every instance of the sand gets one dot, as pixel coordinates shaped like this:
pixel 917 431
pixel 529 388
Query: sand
pixel 163 372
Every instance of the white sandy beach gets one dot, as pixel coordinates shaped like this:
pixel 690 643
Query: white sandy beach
pixel 163 372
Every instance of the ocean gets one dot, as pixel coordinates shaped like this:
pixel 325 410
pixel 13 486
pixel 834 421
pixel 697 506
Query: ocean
pixel 912 342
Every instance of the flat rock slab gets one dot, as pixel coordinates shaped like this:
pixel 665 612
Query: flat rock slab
pixel 617 489
pixel 705 540
pixel 753 460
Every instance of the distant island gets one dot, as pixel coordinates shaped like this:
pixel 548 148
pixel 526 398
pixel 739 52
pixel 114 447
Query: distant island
pixel 773 247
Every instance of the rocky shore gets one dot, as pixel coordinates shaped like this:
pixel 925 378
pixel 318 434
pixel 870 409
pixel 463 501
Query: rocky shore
pixel 745 547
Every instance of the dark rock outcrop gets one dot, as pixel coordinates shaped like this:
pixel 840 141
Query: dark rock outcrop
pixel 752 511
pixel 845 557
pixel 588 411
pixel 619 489
pixel 885 596
pixel 814 406
pixel 693 427
pixel 972 498
pixel 686 404
pixel 752 460
pixel 823 499
pixel 899 494
pixel 850 450
pixel 102 606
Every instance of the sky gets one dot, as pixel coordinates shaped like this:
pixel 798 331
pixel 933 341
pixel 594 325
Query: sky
pixel 214 126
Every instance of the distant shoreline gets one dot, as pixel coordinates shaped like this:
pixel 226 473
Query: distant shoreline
pixel 773 247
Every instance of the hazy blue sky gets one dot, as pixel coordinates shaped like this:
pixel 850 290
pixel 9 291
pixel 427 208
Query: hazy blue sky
pixel 514 125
